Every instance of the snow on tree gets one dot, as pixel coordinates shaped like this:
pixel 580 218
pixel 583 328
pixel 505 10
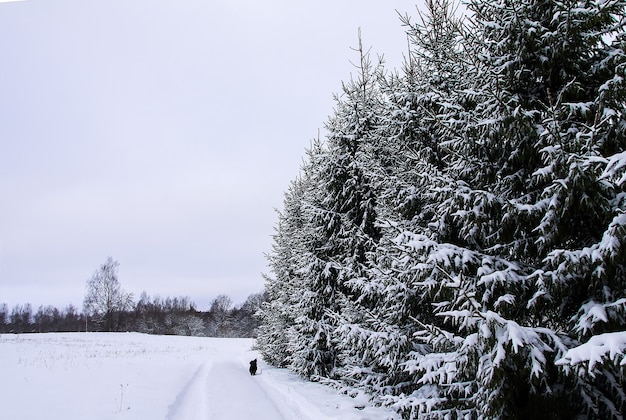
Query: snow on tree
pixel 328 224
pixel 600 349
pixel 508 265
pixel 352 202
pixel 278 313
pixel 312 277
pixel 461 246
pixel 405 158
pixel 105 299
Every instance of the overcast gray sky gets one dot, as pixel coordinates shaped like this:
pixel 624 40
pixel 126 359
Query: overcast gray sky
pixel 163 134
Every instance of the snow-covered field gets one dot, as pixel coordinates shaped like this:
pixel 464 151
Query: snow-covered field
pixel 100 376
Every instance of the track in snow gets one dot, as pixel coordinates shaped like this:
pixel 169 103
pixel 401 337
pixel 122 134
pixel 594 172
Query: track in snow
pixel 223 389
pixel 251 402
pixel 136 376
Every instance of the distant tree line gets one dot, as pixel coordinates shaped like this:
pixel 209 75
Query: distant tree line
pixel 168 316
pixel 107 307
pixel 23 319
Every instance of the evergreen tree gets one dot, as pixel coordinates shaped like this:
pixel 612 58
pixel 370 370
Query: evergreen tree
pixel 406 160
pixel 530 202
pixel 338 206
pixel 313 352
pixel 457 244
pixel 278 313
pixel 352 203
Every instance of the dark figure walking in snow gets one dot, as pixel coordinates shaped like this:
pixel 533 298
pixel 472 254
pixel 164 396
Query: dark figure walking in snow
pixel 253 367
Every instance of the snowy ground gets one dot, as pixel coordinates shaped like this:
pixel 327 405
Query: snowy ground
pixel 100 376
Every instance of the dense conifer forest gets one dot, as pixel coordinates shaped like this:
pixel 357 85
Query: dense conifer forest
pixel 456 245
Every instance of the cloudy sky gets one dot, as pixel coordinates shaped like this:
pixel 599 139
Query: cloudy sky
pixel 163 133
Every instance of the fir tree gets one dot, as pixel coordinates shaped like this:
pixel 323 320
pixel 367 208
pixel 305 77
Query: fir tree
pixel 343 211
pixel 529 203
pixel 457 244
pixel 278 313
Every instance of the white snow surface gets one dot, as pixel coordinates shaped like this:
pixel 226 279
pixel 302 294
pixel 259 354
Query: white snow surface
pixel 102 376
pixel 611 346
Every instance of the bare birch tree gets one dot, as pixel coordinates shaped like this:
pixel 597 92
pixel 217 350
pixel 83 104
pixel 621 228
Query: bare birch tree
pixel 105 299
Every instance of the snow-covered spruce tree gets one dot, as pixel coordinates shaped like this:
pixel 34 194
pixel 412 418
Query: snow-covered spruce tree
pixel 559 68
pixel 527 258
pixel 410 171
pixel 342 214
pixel 581 286
pixel 353 186
pixel 278 312
pixel 295 329
pixel 315 298
pixel 405 162
pixel 503 256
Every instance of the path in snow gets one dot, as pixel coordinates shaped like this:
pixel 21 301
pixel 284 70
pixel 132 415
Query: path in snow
pixel 119 376
pixel 223 390
pixel 228 379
